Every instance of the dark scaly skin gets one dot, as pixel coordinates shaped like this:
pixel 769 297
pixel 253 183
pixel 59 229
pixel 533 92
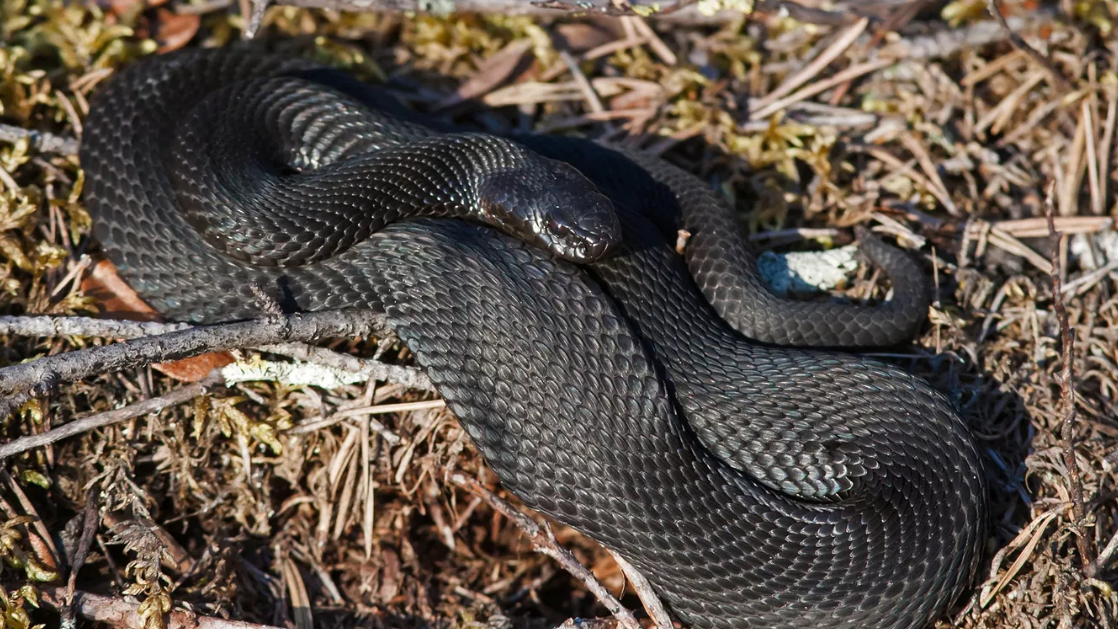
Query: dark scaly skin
pixel 725 268
pixel 755 486
pixel 271 168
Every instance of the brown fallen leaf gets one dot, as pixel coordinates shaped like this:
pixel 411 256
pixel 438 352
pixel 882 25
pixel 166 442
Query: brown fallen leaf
pixel 131 8
pixel 174 30
pixel 117 300
pixel 511 61
pixel 578 37
pixel 124 8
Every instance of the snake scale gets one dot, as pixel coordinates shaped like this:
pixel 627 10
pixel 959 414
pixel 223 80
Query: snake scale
pixel 653 401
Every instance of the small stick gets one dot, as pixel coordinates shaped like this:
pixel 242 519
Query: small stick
pixel 47 326
pixel 543 540
pixel 1104 557
pixel 108 418
pixel 39 376
pixel 1067 391
pixel 91 519
pixel 41 140
pixel 646 593
pixel 1021 44
pixel 121 614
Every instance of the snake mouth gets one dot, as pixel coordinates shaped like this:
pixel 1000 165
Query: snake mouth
pixel 581 243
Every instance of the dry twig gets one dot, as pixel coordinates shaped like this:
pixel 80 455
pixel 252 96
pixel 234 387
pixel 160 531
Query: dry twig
pixel 19 382
pixel 1067 395
pixel 45 326
pixel 1021 44
pixel 121 614
pixel 543 540
pixel 41 140
pixel 108 418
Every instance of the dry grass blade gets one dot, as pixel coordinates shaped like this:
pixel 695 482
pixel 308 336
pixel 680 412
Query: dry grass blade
pixel 825 58
pixel 1030 536
pixel 848 74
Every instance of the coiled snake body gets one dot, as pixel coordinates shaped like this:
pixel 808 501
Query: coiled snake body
pixel 755 484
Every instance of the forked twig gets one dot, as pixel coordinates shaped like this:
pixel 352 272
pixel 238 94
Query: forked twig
pixel 652 603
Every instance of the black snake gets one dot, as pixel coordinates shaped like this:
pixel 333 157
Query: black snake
pixel 755 484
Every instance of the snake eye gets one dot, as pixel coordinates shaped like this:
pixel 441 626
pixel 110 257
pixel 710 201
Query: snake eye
pixel 557 228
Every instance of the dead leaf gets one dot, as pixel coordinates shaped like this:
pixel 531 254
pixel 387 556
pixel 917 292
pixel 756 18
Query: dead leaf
pixel 125 8
pixel 577 37
pixel 116 298
pixel 119 301
pixel 174 30
pixel 195 368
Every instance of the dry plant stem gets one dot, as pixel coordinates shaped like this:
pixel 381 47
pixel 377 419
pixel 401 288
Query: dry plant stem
pixel 1021 44
pixel 652 604
pixel 84 326
pixel 1067 395
pixel 108 328
pixel 376 370
pixel 812 69
pixel 541 8
pixel 1104 557
pixel 121 614
pixel 91 519
pixel 108 418
pixel 39 376
pixel 46 142
pixel 544 542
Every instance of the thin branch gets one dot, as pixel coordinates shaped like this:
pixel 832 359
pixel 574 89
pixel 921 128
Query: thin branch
pixel 543 540
pixel 108 418
pixel 1020 43
pixel 40 140
pixel 45 326
pixel 121 614
pixel 652 603
pixel 18 382
pixel 540 8
pixel 1104 557
pixel 1067 393
pixel 91 519
pixel 374 369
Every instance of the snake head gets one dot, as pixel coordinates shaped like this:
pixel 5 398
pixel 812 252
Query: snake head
pixel 552 205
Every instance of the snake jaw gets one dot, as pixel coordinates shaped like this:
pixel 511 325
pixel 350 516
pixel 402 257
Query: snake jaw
pixel 593 238
pixel 553 206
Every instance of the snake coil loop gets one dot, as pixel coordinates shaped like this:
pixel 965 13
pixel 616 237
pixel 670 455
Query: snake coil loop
pixel 754 484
